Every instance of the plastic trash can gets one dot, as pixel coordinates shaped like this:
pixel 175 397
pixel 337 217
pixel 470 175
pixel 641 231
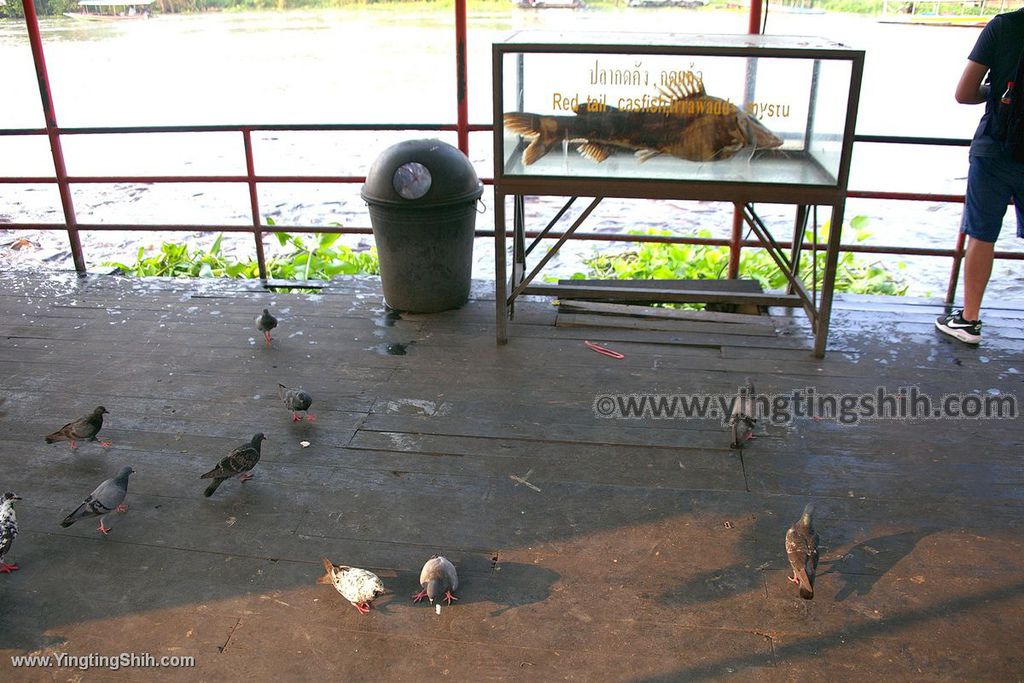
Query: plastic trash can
pixel 422 197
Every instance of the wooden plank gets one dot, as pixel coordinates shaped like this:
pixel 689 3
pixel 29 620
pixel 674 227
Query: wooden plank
pixel 571 306
pixel 587 320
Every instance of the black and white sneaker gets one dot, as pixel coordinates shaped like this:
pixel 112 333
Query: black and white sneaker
pixel 953 324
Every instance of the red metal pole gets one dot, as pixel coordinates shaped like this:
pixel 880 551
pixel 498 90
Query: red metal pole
pixel 52 132
pixel 954 273
pixel 254 203
pixel 734 242
pixel 754 27
pixel 461 78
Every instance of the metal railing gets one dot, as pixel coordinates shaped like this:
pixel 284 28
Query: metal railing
pixel 462 128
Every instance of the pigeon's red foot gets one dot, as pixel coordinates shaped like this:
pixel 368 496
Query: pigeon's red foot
pixel 106 444
pixel 245 477
pixel 73 445
pixel 122 508
pixel 419 596
pixel 363 608
pixel 310 418
pixel 793 579
pixel 296 418
pixel 102 529
pixel 750 437
pixel 7 568
pixel 268 338
pixel 449 597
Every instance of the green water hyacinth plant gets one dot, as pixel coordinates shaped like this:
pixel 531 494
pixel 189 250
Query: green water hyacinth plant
pixel 660 261
pixel 321 259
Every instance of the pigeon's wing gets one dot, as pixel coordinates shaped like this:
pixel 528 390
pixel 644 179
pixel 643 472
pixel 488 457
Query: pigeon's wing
pixel 796 551
pixel 102 501
pixel 109 494
pixel 430 571
pixel 449 571
pixel 8 530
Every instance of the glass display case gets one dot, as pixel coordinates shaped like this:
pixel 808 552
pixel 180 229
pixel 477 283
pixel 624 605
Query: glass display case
pixel 736 118
pixel 690 110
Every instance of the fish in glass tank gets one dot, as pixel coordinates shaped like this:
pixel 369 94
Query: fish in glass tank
pixel 683 121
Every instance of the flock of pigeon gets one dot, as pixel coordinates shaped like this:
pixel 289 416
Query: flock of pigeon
pixel 438 578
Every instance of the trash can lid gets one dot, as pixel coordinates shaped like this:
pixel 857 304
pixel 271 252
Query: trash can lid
pixel 421 173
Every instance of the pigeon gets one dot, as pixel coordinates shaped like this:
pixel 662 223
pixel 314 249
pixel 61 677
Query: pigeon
pixel 108 497
pixel 296 400
pixel 238 463
pixel 358 586
pixel 85 428
pixel 742 420
pixel 265 323
pixel 802 551
pixel 8 530
pixel 438 579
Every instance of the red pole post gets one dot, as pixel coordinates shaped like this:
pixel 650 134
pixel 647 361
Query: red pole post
pixel 954 273
pixel 254 203
pixel 461 78
pixel 734 242
pixel 53 133
pixel 754 27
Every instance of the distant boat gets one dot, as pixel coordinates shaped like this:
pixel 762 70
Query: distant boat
pixel 111 10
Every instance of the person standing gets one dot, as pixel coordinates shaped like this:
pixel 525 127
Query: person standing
pixel 993 177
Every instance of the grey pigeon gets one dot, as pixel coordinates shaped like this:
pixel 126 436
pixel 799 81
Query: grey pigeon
pixel 296 400
pixel 265 323
pixel 237 463
pixel 358 586
pixel 802 552
pixel 84 428
pixel 438 579
pixel 743 417
pixel 8 530
pixel 108 497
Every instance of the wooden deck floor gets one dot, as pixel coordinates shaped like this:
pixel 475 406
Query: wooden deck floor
pixel 650 552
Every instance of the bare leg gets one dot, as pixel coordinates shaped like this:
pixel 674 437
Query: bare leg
pixel 977 270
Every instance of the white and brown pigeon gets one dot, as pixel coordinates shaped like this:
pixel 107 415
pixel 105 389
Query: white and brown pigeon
pixel 743 417
pixel 358 586
pixel 802 552
pixel 236 464
pixel 84 428
pixel 296 400
pixel 108 497
pixel 265 323
pixel 8 530
pixel 439 580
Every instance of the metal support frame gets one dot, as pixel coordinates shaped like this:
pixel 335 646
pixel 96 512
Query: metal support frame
pixel 818 309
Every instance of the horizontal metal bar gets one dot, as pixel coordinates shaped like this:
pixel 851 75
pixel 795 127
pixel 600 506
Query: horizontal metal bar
pixel 237 128
pixel 172 179
pixel 912 140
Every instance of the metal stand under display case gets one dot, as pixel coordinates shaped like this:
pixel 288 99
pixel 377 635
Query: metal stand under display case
pixel 739 119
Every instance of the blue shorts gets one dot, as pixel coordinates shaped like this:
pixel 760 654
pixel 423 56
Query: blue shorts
pixel 991 183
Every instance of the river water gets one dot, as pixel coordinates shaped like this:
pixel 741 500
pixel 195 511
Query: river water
pixel 380 64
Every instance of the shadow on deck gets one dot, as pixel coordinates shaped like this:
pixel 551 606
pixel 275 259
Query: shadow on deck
pixel 642 549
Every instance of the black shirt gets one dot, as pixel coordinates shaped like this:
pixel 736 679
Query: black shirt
pixel 999 47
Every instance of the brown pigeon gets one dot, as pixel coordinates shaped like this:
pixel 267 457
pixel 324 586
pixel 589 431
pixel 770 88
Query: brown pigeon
pixel 84 428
